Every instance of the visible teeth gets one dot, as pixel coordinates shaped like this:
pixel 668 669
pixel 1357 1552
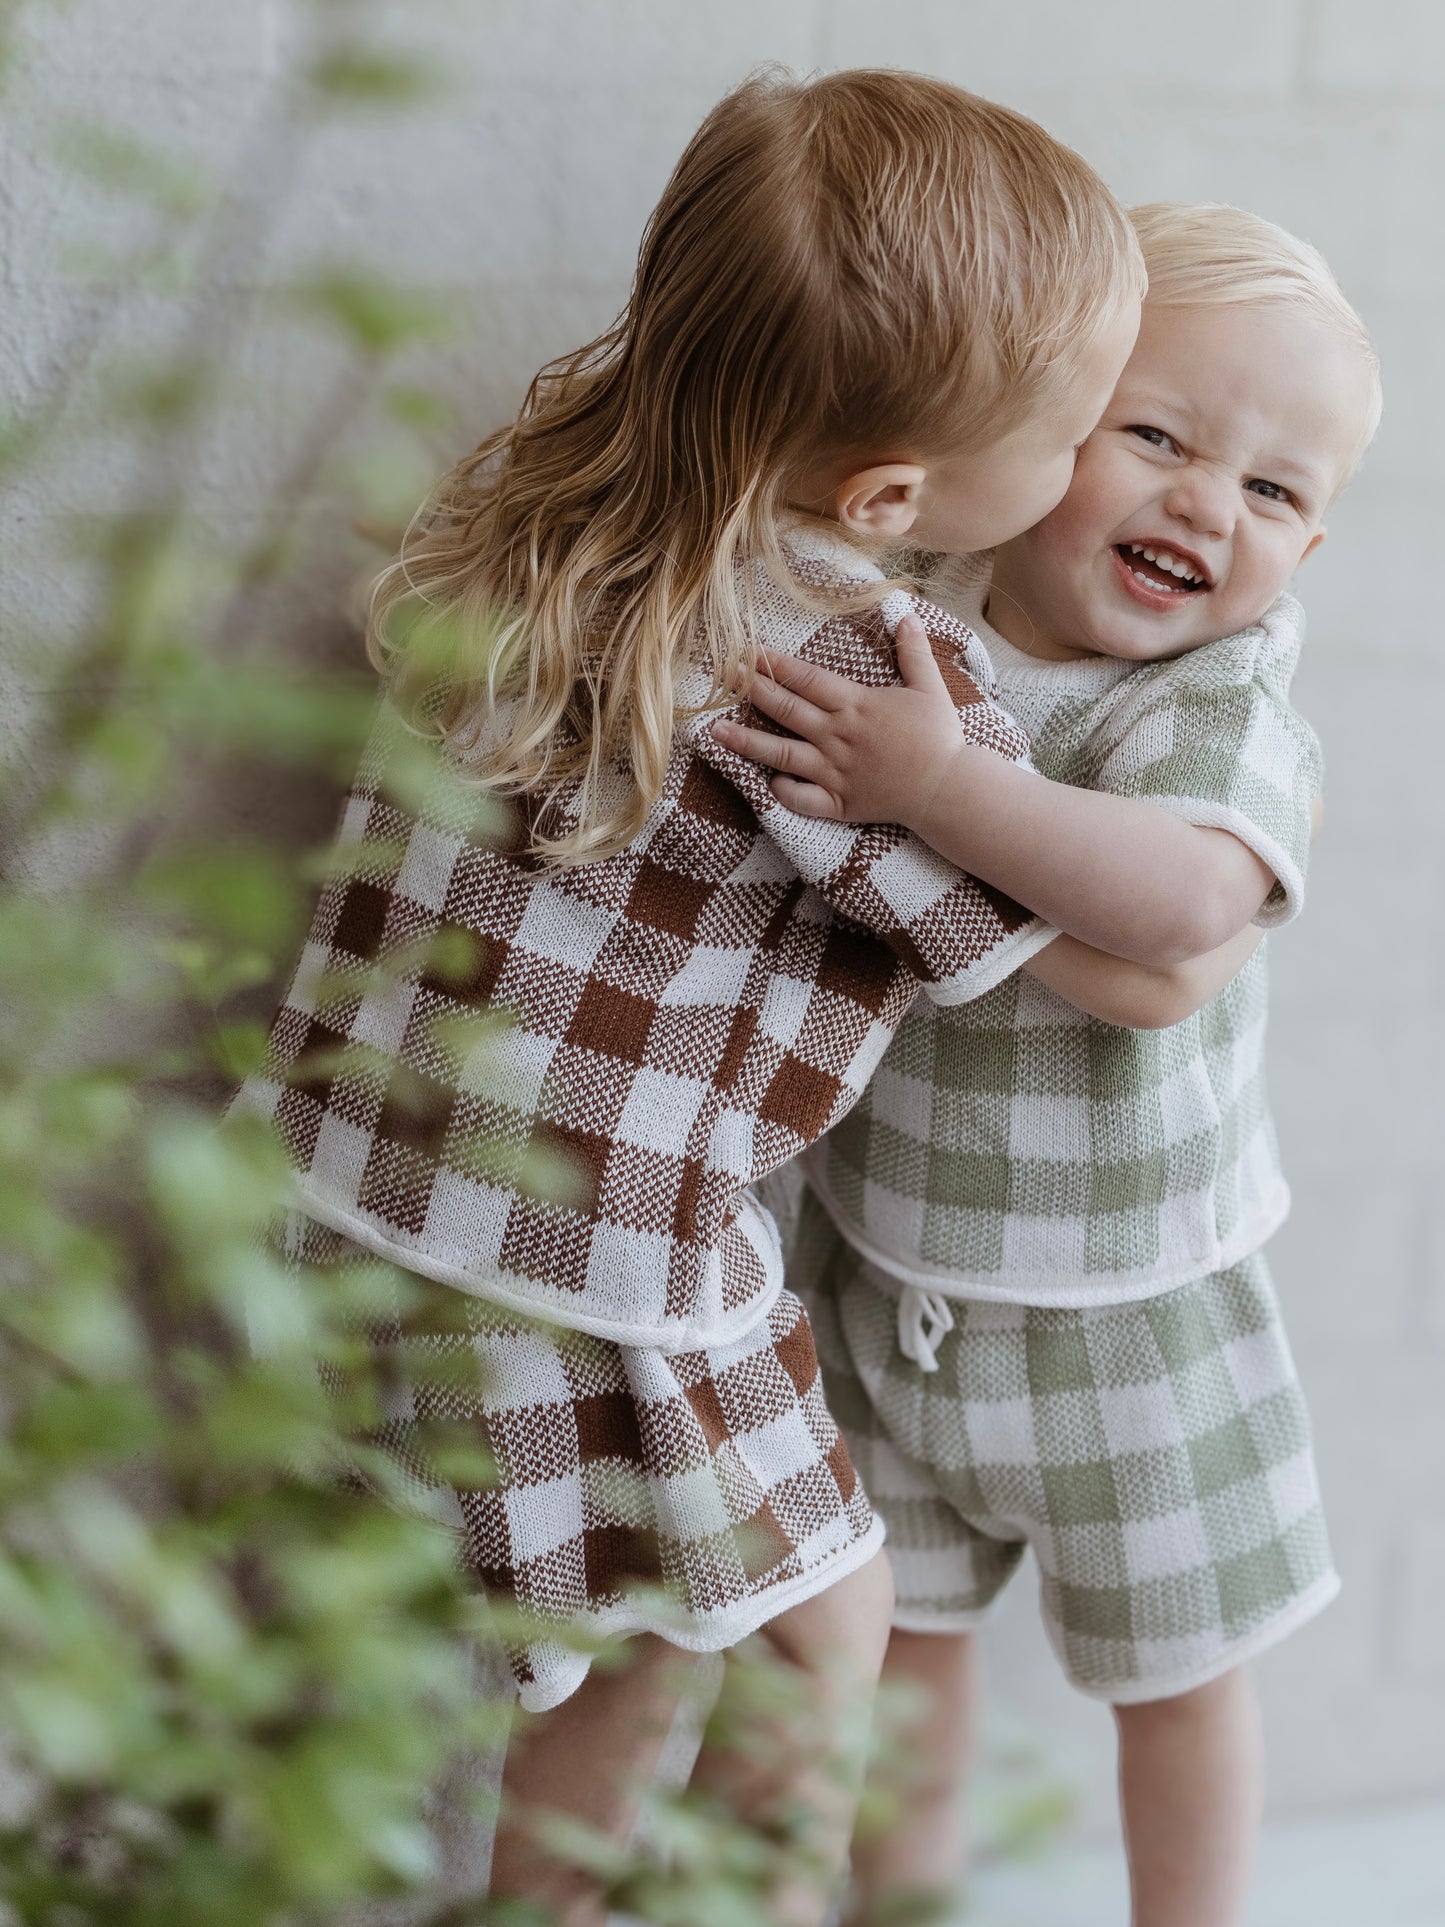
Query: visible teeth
pixel 1166 560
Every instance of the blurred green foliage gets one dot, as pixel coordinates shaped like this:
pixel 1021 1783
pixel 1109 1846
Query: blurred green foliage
pixel 226 1688
pixel 229 1690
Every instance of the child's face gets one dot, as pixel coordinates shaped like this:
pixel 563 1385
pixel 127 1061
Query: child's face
pixel 975 501
pixel 1228 435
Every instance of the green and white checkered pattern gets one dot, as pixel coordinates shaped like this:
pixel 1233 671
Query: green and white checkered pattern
pixel 1155 1455
pixel 1017 1149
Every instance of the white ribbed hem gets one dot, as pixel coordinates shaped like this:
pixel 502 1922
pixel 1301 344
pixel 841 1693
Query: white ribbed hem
pixel 713 1635
pixel 1083 675
pixel 924 1619
pixel 1046 1291
pixel 1135 1692
pixel 1207 814
pixel 667 1338
pixel 988 975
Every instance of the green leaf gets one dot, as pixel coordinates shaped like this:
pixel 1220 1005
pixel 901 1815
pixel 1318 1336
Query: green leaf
pixel 372 77
pixel 376 316
pixel 419 408
pixel 238 894
pixel 137 170
pixel 61 1728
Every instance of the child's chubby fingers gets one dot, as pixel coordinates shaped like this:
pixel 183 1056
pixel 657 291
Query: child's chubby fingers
pixel 917 664
pixel 789 754
pixel 823 688
pixel 784 689
pixel 807 799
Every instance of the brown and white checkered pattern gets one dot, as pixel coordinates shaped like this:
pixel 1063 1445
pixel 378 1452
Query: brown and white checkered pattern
pixel 685 1016
pixel 694 1494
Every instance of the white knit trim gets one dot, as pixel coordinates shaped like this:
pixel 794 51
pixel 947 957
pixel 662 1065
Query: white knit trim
pixel 1016 668
pixel 1003 963
pixel 659 1338
pixel 1046 1290
pixel 1210 815
pixel 965 596
pixel 1136 1692
pixel 921 1619
pixel 715 1634
pixel 811 542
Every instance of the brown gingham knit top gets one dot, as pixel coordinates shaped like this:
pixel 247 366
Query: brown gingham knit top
pixel 666 1025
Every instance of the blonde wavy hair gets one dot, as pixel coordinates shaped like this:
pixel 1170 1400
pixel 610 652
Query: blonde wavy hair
pixel 1203 254
pixel 868 262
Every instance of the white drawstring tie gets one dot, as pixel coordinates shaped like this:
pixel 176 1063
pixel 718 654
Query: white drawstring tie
pixel 923 1318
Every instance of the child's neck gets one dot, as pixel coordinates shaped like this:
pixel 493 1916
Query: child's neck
pixel 1008 614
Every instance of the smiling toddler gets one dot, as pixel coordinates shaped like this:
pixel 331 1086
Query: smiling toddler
pixel 1032 1253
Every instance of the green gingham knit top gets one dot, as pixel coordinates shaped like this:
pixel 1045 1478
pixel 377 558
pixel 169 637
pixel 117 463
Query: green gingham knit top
pixel 1013 1148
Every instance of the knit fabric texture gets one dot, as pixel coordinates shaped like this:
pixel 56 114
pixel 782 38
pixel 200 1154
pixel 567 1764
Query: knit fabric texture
pixel 1017 1149
pixel 1156 1455
pixel 696 1494
pixel 679 1018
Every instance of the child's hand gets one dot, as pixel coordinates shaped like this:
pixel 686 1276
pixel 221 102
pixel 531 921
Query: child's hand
pixel 857 755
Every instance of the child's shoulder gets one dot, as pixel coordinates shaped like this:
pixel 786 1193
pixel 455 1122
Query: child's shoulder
pixel 816 585
pixel 837 609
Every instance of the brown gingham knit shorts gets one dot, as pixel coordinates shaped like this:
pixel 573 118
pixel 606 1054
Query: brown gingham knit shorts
pixel 694 1494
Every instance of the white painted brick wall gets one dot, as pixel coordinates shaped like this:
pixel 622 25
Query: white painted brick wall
pixel 526 192
pixel 1238 46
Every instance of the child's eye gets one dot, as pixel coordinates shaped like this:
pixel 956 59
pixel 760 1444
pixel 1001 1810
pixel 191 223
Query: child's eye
pixel 1271 491
pixel 1155 437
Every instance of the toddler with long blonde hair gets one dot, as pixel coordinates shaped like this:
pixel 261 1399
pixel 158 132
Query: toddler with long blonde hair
pixel 866 306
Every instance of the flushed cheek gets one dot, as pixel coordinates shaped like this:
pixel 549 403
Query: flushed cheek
pixel 1082 524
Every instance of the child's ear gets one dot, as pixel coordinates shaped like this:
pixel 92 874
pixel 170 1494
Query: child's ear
pixel 880 503
pixel 1312 545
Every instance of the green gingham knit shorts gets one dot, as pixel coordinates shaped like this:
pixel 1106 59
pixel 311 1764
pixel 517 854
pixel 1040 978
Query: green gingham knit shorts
pixel 1156 1456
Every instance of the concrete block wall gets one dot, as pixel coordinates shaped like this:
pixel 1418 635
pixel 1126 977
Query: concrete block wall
pixel 525 191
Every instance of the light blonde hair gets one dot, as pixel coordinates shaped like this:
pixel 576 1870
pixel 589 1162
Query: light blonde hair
pixel 1204 254
pixel 869 262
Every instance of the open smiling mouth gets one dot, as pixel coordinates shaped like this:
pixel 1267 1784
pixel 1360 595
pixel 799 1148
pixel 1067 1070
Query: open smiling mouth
pixel 1160 568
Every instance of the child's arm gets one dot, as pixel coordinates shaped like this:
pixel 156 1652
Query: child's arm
pixel 1146 996
pixel 1121 875
pixel 1139 996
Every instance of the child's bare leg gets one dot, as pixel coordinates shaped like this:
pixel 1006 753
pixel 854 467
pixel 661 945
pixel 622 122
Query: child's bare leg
pixel 922 1850
pixel 589 1759
pixel 806 1757
pixel 1191 1776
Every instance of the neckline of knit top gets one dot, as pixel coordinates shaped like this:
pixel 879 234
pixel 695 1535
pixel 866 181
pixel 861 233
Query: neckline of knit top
pixel 964 588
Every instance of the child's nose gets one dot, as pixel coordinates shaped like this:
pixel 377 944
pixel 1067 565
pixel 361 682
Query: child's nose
pixel 1203 499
